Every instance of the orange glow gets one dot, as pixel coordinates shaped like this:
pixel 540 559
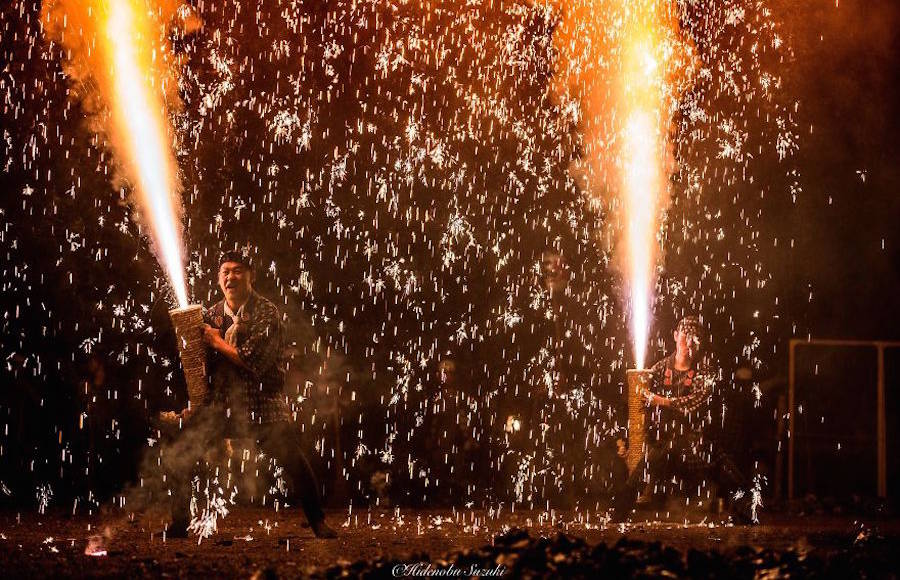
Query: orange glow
pixel 138 110
pixel 641 188
pixel 642 153
pixel 120 47
pixel 627 66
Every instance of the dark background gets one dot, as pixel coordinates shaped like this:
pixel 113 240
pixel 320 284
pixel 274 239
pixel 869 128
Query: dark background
pixel 846 79
pixel 81 290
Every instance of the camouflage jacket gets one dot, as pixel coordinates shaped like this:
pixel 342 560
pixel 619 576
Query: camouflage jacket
pixel 690 392
pixel 254 393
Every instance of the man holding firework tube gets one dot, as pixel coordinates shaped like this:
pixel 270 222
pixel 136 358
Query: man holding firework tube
pixel 680 442
pixel 245 338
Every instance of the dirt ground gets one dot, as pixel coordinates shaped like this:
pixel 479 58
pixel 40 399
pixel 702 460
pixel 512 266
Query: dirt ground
pixel 257 541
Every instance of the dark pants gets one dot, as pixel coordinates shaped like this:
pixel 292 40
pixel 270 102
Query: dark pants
pixel 661 463
pixel 208 429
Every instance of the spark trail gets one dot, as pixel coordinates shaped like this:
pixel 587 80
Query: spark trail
pixel 643 65
pixel 401 171
pixel 649 57
pixel 118 47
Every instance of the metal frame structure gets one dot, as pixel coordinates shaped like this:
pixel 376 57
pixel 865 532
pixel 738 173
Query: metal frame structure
pixel 880 346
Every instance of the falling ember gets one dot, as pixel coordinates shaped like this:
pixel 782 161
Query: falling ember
pixel 403 172
pixel 117 44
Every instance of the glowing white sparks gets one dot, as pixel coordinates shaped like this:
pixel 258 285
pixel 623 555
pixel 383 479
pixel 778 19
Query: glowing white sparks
pixel 402 188
pixel 642 183
pixel 137 108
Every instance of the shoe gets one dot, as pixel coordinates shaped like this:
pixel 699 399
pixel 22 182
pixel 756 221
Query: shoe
pixel 322 530
pixel 742 519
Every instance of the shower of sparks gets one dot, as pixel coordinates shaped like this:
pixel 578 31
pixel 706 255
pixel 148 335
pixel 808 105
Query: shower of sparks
pixel 420 185
pixel 138 110
pixel 641 206
pixel 627 96
pixel 642 154
pixel 119 40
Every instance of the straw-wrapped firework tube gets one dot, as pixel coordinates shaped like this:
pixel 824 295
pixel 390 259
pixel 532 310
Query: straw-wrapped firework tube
pixel 638 386
pixel 192 349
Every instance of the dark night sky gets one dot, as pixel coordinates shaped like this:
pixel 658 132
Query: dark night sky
pixel 846 71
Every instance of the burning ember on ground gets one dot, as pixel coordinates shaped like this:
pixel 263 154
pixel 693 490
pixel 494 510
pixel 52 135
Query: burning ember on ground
pixel 96 546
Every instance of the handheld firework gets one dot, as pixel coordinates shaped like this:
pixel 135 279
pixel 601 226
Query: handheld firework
pixel 192 350
pixel 638 381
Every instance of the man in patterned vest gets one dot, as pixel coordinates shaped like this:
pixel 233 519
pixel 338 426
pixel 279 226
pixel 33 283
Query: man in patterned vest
pixel 245 366
pixel 681 443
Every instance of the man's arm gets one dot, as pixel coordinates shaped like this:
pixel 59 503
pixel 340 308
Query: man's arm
pixel 696 399
pixel 215 341
pixel 686 404
pixel 656 372
pixel 263 347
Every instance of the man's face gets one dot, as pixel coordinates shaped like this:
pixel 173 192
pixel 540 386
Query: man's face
pixel 687 343
pixel 235 281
